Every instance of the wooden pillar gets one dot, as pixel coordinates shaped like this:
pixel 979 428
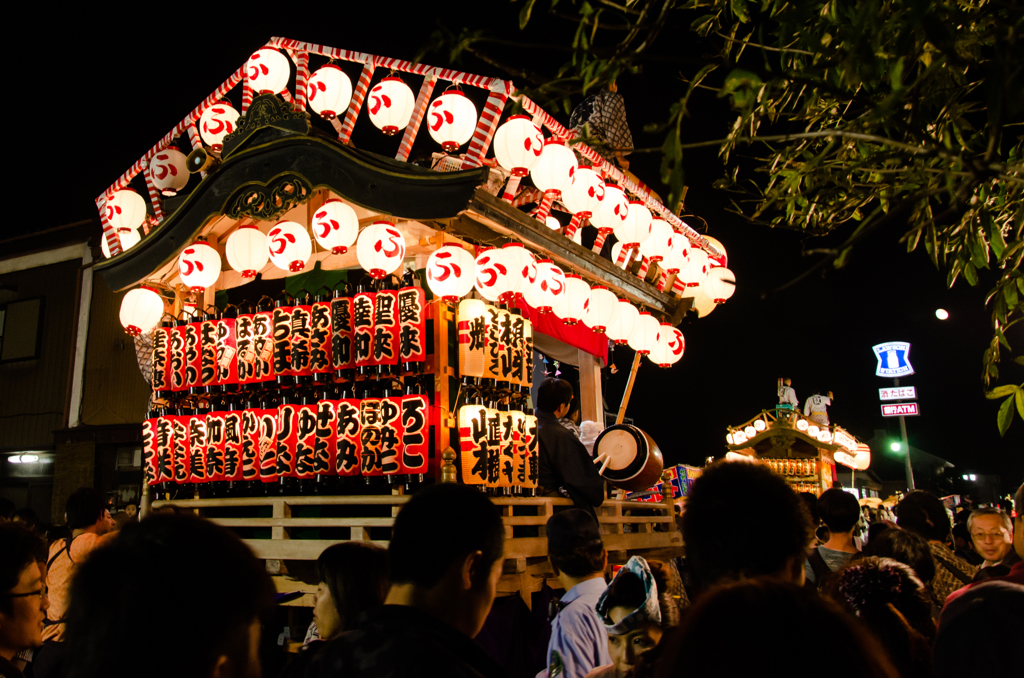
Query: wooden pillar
pixel 591 400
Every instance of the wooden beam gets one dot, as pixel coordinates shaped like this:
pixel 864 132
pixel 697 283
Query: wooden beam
pixel 591 399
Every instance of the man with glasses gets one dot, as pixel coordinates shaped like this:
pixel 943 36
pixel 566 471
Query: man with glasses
pixel 22 594
pixel 991 533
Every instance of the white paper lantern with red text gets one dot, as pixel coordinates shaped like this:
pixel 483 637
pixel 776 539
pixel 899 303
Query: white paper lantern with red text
pixel 246 250
pixel 450 272
pixel 267 71
pixel 169 170
pixel 645 334
pixel 621 328
pixel 141 310
pixel 125 209
pixel 492 280
pixel 522 269
pixel 722 283
pixel 329 92
pixel 704 304
pixel 636 227
pixel 669 348
pixel 613 211
pixel 602 309
pixel 694 272
pixel 129 238
pixel 390 105
pixel 719 260
pixel 451 119
pixel 289 246
pixel 216 122
pixel 549 286
pixel 518 144
pixel 335 226
pixel 554 168
pixel 574 300
pixel 585 192
pixel 656 246
pixel 199 266
pixel 380 249
pixel 678 253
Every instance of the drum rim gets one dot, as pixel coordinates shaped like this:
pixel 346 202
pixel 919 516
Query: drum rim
pixel 613 475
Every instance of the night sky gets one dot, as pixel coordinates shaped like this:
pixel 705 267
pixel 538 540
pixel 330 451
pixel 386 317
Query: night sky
pixel 119 82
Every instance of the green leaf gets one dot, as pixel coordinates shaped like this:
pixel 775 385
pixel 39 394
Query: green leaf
pixel 1019 360
pixel 740 85
pixel 970 274
pixel 1010 292
pixel 896 74
pixel 1018 398
pixel 739 8
pixel 524 13
pixel 1002 391
pixel 1005 416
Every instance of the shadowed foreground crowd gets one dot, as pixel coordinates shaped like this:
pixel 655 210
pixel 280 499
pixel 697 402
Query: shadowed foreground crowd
pixel 176 595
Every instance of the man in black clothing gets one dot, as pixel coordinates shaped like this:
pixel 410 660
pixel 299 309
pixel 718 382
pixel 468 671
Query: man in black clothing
pixel 565 466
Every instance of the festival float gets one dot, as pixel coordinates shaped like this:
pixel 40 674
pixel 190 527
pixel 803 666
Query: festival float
pixel 325 327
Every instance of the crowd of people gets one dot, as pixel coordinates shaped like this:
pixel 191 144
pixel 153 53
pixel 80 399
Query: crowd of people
pixel 176 595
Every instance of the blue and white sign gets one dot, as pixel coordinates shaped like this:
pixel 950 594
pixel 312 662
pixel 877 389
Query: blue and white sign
pixel 893 360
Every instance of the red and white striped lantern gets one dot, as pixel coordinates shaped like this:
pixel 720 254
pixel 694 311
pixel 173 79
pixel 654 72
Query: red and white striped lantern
pixel 573 304
pixel 522 270
pixel 722 283
pixel 582 197
pixel 549 286
pixel 380 249
pixel 170 171
pixel 216 122
pixel 636 227
pixel 335 226
pixel 246 250
pixel 613 211
pixel 645 334
pixel 199 266
pixel 669 348
pixel 450 272
pixel 289 246
pixel 267 71
pixel 451 119
pixel 602 309
pixel 492 275
pixel 552 173
pixel 329 92
pixel 621 328
pixel 141 310
pixel 125 209
pixel 390 105
pixel 518 144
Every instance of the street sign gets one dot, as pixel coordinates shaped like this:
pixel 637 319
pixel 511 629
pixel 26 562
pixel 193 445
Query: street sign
pixel 898 393
pixel 900 410
pixel 893 359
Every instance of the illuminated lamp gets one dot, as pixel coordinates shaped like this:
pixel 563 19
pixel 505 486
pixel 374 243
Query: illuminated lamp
pixel 329 91
pixel 601 310
pixel 289 246
pixel 335 226
pixel 267 71
pixel 391 103
pixel 729 439
pixel 645 334
pixel 169 169
pixel 216 122
pixel 812 431
pixel 719 260
pixel 824 435
pixel 657 246
pixel 553 223
pixel 380 249
pixel 126 209
pixel 199 266
pixel 801 424
pixel 552 173
pixel 704 304
pixel 522 270
pixel 141 310
pixel 636 227
pixel 574 300
pixel 451 119
pixel 548 287
pixel 678 254
pixel 670 347
pixel 693 273
pixel 621 328
pixel 612 212
pixel 582 197
pixel 518 144
pixel 450 272
pixel 492 275
pixel 760 425
pixel 749 431
pixel 129 238
pixel 740 437
pixel 246 250
pixel 722 283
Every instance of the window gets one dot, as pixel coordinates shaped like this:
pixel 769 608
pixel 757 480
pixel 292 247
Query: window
pixel 20 329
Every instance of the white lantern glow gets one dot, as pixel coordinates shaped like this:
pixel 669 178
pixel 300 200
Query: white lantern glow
pixel 246 250
pixel 522 269
pixel 694 272
pixel 450 272
pixel 722 260
pixel 801 424
pixel 645 334
pixel 678 253
pixel 750 431
pixel 759 423
pixel 216 122
pixel 552 173
pixel 636 227
pixel 621 328
pixel 574 300
pixel 553 223
pixel 704 304
pixel 656 247
pixel 613 211
pixel 601 310
pixel 451 119
pixel 267 71
pixel 669 348
pixel 129 238
pixel 812 431
pixel 549 286
pixel 585 192
pixel 492 279
pixel 380 249
pixel 329 91
pixel 141 310
pixel 723 284
pixel 289 246
pixel 125 209
pixel 199 266
pixel 335 226
pixel 390 105
pixel 518 144
pixel 169 170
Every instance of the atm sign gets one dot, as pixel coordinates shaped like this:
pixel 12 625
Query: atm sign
pixel 900 410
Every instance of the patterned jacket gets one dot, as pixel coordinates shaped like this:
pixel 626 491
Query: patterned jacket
pixel 951 573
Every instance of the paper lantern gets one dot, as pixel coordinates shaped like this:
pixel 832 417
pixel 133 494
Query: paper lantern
pixel 554 168
pixel 553 223
pixel 391 103
pixel 492 280
pixel 267 71
pixel 450 272
pixel 620 329
pixel 585 192
pixel 125 209
pixel 246 250
pixel 656 247
pixel 694 271
pixel 722 283
pixel 722 260
pixel 129 238
pixel 601 310
pixel 704 304
pixel 380 249
pixel 636 227
pixel 522 269
pixel 451 119
pixel 289 246
pixel 613 211
pixel 169 169
pixel 678 253
pixel 141 310
pixel 199 266
pixel 574 300
pixel 645 334
pixel 216 122
pixel 669 348
pixel 518 144
pixel 329 91
pixel 335 226
pixel 548 287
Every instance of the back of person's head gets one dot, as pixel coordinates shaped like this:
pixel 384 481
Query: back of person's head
pixel 811 504
pixel 923 513
pixel 84 508
pixel 905 547
pixel 27 517
pixel 980 632
pixel 787 618
pixel 961 531
pixel 356 575
pixel 170 596
pixel 438 527
pixel 553 393
pixel 839 510
pixel 7 509
pixel 575 546
pixel 743 520
pixel 19 548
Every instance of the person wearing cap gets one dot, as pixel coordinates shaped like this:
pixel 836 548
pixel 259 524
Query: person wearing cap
pixel 631 612
pixel 565 468
pixel 578 642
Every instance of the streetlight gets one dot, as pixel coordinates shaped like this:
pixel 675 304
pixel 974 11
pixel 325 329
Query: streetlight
pixel 895 447
pixel 941 313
